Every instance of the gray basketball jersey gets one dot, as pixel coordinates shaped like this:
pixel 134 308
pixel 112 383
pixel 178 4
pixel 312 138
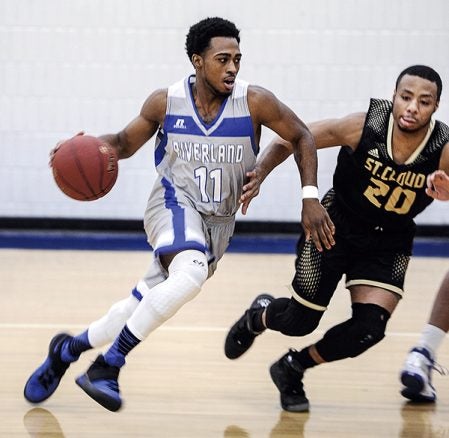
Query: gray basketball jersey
pixel 205 164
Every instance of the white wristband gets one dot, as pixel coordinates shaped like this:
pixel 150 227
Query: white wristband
pixel 310 192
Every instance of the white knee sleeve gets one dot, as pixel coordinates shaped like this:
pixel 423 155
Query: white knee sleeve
pixel 186 275
pixel 107 328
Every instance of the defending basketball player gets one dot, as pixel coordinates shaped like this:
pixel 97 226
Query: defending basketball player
pixel 208 129
pixel 379 186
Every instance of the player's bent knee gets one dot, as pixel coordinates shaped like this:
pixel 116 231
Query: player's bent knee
pixel 370 322
pixel 292 318
pixel 193 263
pixel 187 273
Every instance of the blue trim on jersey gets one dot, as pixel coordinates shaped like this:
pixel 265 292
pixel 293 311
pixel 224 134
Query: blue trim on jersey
pixel 135 293
pixel 178 219
pixel 238 126
pixel 181 246
pixel 229 127
pixel 192 100
pixel 178 212
pixel 159 152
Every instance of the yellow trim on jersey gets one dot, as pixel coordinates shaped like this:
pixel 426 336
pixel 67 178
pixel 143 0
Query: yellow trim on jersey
pixel 417 151
pixel 388 287
pixel 307 303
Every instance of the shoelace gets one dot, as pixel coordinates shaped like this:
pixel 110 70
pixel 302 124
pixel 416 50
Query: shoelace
pixel 56 369
pixel 47 378
pixel 440 369
pixel 112 385
pixel 243 325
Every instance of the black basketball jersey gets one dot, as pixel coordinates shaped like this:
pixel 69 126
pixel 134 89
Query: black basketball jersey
pixel 368 182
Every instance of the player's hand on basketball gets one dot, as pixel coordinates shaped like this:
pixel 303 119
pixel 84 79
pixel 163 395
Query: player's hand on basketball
pixel 58 145
pixel 317 224
pixel 250 189
pixel 438 185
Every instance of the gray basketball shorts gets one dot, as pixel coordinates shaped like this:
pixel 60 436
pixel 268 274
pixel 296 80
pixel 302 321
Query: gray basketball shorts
pixel 172 227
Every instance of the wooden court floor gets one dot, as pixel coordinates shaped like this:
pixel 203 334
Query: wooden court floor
pixel 178 383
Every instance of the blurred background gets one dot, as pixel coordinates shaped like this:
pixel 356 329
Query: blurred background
pixel 90 64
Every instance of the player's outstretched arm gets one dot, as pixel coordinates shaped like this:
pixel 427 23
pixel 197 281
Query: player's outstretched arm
pixel 327 133
pixel 344 131
pixel 129 140
pixel 267 110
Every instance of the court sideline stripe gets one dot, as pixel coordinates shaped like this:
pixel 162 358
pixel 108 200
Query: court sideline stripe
pixel 181 328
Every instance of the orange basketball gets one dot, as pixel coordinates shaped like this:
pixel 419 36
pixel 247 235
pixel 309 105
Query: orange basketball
pixel 85 168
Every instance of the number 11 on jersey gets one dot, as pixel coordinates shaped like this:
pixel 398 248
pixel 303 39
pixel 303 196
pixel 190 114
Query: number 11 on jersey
pixel 204 178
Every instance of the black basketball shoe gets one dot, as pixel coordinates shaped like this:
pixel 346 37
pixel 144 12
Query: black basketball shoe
pixel 287 375
pixel 100 382
pixel 242 335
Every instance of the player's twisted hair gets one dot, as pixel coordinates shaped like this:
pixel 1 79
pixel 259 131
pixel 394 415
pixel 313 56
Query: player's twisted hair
pixel 200 34
pixel 425 72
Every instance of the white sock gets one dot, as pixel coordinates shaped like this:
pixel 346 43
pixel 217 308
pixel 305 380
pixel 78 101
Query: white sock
pixel 431 338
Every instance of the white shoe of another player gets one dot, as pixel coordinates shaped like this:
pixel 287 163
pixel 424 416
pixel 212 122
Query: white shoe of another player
pixel 416 376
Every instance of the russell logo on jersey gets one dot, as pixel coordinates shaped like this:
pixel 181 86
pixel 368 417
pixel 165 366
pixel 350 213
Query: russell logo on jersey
pixel 180 124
